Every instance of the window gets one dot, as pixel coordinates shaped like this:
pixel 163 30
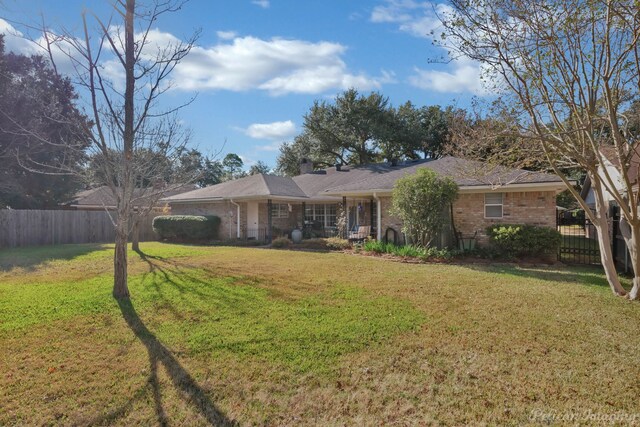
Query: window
pixel 330 215
pixel 280 210
pixel 493 205
pixel 324 214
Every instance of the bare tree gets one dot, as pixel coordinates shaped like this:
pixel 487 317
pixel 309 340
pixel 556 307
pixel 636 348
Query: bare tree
pixel 570 68
pixel 123 72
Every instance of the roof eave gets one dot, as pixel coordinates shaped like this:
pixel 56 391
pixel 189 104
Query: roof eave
pixel 235 198
pixel 528 186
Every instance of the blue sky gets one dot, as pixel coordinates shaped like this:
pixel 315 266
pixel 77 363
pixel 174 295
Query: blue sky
pixel 259 65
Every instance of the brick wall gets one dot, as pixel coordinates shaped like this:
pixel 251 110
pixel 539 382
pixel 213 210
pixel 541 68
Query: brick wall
pixel 228 223
pixel 389 221
pixel 534 207
pixel 285 225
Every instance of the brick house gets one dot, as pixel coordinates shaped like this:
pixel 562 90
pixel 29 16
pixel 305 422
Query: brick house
pixel 263 206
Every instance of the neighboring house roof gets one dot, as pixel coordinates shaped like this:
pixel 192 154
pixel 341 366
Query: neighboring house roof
pixel 330 183
pixel 259 185
pixel 614 169
pixel 103 197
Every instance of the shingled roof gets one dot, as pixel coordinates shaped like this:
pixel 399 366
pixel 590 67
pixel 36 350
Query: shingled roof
pixel 330 183
pixel 465 173
pixel 259 185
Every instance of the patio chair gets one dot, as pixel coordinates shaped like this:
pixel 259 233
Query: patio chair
pixel 363 232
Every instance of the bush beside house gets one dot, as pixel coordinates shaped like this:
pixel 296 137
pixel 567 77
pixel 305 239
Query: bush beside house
pixel 191 228
pixel 521 240
pixel 423 202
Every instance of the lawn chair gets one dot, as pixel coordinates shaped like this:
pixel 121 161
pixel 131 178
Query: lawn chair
pixel 363 232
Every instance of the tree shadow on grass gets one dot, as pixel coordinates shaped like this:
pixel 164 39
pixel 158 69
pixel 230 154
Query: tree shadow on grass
pixel 184 383
pixel 32 257
pixel 583 275
pixel 164 272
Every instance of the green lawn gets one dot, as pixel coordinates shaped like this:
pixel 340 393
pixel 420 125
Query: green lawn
pixel 218 335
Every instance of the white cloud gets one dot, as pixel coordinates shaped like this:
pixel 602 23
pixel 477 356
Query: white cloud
pixel 226 35
pixel 422 19
pixel 273 131
pixel 17 42
pixel 464 77
pixel 273 147
pixel 278 66
pixel 262 3
pixel 14 40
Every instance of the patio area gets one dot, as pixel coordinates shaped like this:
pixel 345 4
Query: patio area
pixel 278 218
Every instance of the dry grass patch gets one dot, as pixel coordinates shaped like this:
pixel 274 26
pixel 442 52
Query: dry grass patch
pixel 255 336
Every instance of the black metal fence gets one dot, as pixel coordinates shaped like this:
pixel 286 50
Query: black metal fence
pixel 579 244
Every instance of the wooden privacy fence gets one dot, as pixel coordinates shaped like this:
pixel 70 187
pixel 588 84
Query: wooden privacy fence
pixel 35 227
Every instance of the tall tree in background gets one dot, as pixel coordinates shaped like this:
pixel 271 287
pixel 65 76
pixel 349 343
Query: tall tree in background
pixel 259 167
pixel 232 167
pixel 357 129
pixel 38 118
pixel 129 127
pixel 349 128
pixel 304 146
pixel 569 69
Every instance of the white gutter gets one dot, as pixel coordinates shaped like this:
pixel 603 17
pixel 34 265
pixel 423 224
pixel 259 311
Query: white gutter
pixel 238 221
pixel 378 217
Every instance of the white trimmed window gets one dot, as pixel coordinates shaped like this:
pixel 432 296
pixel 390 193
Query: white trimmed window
pixel 279 210
pixel 493 205
pixel 324 214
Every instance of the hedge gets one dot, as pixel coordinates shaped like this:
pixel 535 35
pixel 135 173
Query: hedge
pixel 523 240
pixel 187 227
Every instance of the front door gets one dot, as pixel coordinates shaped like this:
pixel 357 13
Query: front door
pixel 252 220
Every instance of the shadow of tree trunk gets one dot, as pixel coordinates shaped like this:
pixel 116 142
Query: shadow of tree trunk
pixel 181 379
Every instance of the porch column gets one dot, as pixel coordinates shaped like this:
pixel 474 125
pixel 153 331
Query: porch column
pixel 269 221
pixel 304 213
pixel 371 216
pixel 378 217
pixel 345 211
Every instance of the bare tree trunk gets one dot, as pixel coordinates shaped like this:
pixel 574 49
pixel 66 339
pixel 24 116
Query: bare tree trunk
pixel 120 285
pixel 634 252
pixel 135 233
pixel 604 242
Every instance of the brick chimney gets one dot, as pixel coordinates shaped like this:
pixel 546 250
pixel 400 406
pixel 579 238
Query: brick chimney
pixel 306 166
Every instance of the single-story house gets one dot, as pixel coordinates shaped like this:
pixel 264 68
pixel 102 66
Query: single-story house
pixel 263 206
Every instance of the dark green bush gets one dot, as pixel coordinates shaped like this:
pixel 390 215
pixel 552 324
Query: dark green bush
pixel 409 251
pixel 187 227
pixel 523 240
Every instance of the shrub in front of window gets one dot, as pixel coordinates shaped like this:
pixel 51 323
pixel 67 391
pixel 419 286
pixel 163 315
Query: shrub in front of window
pixel 189 228
pixel 523 240
pixel 422 201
